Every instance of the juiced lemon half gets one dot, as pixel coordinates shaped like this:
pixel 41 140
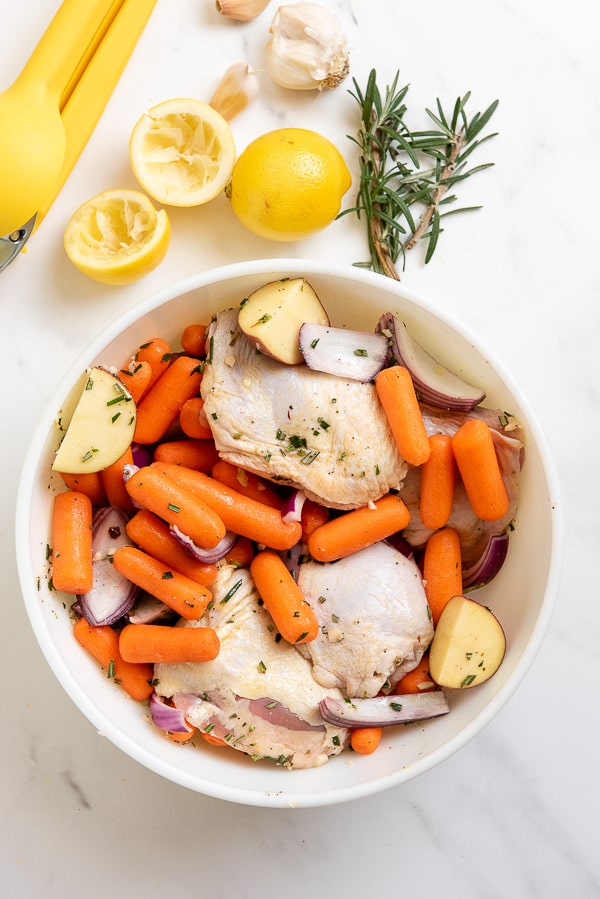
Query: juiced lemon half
pixel 182 152
pixel 117 236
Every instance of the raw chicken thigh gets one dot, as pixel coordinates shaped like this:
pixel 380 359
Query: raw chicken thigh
pixel 259 693
pixel 324 434
pixel 374 618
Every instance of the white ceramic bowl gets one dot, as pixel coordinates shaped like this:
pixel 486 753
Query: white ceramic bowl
pixel 522 595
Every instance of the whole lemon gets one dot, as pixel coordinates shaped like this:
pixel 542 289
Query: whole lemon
pixel 288 184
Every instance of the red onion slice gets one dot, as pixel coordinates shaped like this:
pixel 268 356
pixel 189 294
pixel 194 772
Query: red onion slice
pixel 112 595
pixel 291 509
pixel 489 564
pixel 358 355
pixel 434 383
pixel 209 556
pixel 167 717
pixel 383 711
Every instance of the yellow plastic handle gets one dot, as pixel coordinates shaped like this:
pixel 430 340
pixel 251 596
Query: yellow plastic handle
pixel 66 47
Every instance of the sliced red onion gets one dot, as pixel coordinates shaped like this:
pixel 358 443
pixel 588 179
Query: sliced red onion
pixel 129 471
pixel 383 711
pixel 489 564
pixel 434 383
pixel 167 717
pixel 148 610
pixel 358 355
pixel 112 595
pixel 209 556
pixel 142 455
pixel 291 509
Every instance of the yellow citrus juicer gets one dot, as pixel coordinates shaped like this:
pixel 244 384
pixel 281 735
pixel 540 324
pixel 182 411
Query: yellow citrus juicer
pixel 48 114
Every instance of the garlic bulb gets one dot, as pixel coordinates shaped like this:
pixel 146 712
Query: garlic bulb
pixel 307 48
pixel 241 10
pixel 236 89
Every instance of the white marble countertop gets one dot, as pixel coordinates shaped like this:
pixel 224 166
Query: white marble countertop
pixel 514 813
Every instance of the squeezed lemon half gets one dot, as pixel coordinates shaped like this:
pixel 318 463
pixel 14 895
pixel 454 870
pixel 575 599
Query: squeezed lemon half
pixel 288 184
pixel 117 236
pixel 182 152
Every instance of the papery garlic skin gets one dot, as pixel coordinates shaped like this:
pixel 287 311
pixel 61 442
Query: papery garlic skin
pixel 237 88
pixel 307 49
pixel 241 10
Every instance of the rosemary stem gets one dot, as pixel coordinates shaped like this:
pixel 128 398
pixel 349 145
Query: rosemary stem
pixel 447 171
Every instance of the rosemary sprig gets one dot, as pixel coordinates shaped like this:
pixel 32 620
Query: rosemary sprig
pixel 405 175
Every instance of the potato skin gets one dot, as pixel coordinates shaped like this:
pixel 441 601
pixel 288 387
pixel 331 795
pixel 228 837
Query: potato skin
pixel 271 317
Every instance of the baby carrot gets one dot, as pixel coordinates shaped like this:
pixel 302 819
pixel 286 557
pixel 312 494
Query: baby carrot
pixel 153 536
pixel 418 680
pixel 240 514
pixel 72 542
pixel 477 463
pixel 198 454
pixel 241 553
pixel 114 482
pixel 442 569
pixel 245 482
pixel 283 599
pixel 192 419
pixel 397 396
pixel 102 642
pixel 312 517
pixel 437 482
pixel 137 380
pixel 358 529
pixel 159 643
pixel 210 738
pixel 365 740
pixel 157 353
pixel 161 405
pixel 193 340
pixel 183 595
pixel 152 489
pixel 89 483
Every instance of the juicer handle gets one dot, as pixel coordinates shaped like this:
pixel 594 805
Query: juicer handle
pixel 66 47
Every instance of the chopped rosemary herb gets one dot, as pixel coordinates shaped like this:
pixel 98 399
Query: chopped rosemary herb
pixel 262 667
pixel 396 706
pixel 173 508
pixel 359 352
pixel 231 592
pixel 468 680
pixel 167 576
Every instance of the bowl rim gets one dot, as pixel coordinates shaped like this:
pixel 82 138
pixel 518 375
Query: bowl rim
pixel 303 267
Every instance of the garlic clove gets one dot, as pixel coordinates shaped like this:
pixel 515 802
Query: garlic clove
pixel 307 49
pixel 237 88
pixel 241 10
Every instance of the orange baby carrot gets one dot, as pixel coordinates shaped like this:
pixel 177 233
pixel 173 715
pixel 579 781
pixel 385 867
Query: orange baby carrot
pixel 312 517
pixel 159 643
pixel 160 406
pixel 153 535
pixel 365 740
pixel 442 569
pixel 477 463
pixel 241 553
pixel 183 595
pixel 138 379
pixel 437 482
pixel 358 529
pixel 283 599
pixel 102 642
pixel 192 419
pixel 245 482
pixel 114 482
pixel 152 489
pixel 193 340
pixel 210 738
pixel 200 455
pixel 89 483
pixel 396 393
pixel 240 514
pixel 157 353
pixel 72 542
pixel 418 680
